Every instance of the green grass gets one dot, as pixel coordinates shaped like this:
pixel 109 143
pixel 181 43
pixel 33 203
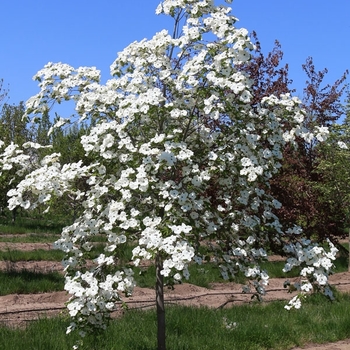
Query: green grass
pixel 32 282
pixel 33 255
pixel 14 282
pixel 205 274
pixel 30 225
pixel 25 282
pixel 29 238
pixel 43 255
pixel 201 275
pixel 341 264
pixel 275 268
pixel 258 327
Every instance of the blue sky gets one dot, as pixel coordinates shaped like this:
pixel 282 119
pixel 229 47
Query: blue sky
pixel 90 33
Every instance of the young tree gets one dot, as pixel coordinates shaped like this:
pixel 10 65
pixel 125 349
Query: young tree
pixel 173 123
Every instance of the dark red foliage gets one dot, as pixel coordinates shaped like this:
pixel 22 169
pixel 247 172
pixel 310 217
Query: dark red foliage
pixel 322 103
pixel 294 185
pixel 269 78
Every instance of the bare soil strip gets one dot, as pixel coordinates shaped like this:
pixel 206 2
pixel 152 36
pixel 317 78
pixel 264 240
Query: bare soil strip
pixel 26 247
pixel 17 309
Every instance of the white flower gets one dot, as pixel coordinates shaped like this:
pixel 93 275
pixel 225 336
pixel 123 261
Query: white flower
pixel 250 240
pixel 177 277
pixel 342 145
pixel 295 303
pixel 168 157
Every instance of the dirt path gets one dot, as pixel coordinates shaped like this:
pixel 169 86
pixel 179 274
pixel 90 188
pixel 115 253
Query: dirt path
pixel 17 309
pixel 340 345
pixel 25 246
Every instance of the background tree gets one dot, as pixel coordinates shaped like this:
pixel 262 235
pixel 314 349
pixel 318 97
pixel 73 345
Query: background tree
pixel 268 74
pixel 294 186
pixel 42 129
pixel 333 171
pixel 3 92
pixel 67 142
pixel 13 130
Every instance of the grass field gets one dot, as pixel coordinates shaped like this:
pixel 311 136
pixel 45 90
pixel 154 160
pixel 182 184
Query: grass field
pixel 244 327
pixel 201 275
pixel 250 327
pixel 28 282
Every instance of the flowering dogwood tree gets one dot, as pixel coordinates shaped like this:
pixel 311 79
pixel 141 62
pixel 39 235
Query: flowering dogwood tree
pixel 180 160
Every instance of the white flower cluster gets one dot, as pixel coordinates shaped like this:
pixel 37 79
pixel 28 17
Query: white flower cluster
pixel 13 157
pixel 229 325
pixel 93 298
pixel 180 159
pixel 50 179
pixel 316 264
pixel 294 303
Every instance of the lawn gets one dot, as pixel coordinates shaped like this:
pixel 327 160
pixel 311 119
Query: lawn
pixel 252 327
pixel 243 327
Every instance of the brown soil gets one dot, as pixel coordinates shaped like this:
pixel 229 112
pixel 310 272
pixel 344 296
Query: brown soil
pixel 17 310
pixel 25 246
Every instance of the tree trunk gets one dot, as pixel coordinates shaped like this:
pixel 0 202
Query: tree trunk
pixel 349 252
pixel 14 215
pixel 160 304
